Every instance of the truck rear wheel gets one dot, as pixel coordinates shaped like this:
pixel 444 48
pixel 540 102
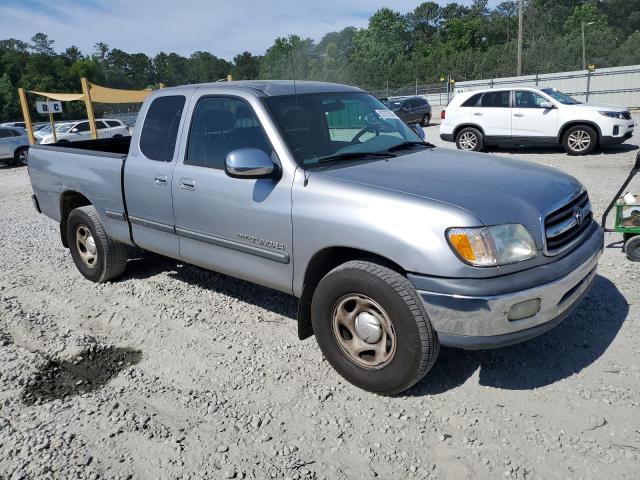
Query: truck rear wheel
pixel 372 327
pixel 98 258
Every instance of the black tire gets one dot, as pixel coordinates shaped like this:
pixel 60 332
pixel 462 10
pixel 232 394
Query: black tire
pixel 426 120
pixel 416 343
pixel 21 156
pixel 571 140
pixel 470 139
pixel 632 248
pixel 117 135
pixel 110 256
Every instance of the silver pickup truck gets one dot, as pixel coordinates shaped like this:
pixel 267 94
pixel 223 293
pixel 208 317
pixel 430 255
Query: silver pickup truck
pixel 392 246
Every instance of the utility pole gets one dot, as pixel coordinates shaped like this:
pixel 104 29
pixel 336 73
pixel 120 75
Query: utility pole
pixel 584 48
pixel 519 37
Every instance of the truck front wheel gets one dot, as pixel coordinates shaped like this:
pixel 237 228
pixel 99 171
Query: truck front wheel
pixel 98 257
pixel 372 327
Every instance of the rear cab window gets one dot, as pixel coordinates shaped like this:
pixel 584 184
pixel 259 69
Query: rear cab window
pixel 160 129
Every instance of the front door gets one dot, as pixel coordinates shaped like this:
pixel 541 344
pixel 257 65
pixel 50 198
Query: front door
pixel 530 120
pixel 149 173
pixel 493 114
pixel 240 227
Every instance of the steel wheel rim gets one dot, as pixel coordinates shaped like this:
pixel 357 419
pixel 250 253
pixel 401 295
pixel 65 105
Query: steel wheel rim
pixel 468 141
pixel 86 246
pixel 367 355
pixel 579 140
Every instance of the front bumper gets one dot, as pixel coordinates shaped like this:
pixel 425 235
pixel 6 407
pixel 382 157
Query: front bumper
pixel 480 321
pixel 616 131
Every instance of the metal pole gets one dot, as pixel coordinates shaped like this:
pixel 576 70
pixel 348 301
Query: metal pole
pixel 520 13
pixel 53 128
pixel 89 107
pixel 584 50
pixel 26 115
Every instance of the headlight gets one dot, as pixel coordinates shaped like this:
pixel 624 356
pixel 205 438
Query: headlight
pixel 492 246
pixel 618 115
pixel 44 140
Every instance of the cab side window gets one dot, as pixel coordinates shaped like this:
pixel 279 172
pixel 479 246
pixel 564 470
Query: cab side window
pixel 219 126
pixel 160 128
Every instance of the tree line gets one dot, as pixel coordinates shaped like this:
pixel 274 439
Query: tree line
pixel 395 49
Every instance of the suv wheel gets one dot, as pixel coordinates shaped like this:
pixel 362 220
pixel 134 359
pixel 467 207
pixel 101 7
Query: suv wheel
pixel 426 120
pixel 98 257
pixel 372 327
pixel 21 156
pixel 580 140
pixel 470 139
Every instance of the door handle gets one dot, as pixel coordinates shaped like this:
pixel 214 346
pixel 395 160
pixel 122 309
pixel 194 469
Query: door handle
pixel 160 179
pixel 187 184
pixel 478 114
pixel 518 114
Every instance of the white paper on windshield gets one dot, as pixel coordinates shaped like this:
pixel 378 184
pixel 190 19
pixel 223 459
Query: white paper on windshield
pixel 387 114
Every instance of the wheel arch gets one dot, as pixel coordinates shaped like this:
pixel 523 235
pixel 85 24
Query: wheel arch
pixel 575 123
pixel 466 125
pixel 69 200
pixel 322 263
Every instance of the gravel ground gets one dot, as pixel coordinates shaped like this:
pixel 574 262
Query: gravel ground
pixel 176 372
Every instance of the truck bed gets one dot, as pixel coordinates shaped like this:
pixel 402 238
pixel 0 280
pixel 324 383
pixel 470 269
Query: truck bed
pixel 90 168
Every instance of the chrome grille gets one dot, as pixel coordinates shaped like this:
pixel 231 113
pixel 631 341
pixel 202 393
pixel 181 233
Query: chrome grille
pixel 565 226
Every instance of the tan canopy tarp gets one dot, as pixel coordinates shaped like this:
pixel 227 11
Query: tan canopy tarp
pixel 63 97
pixel 100 95
pixel 113 95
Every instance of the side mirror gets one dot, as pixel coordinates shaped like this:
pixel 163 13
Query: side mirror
pixel 249 163
pixel 74 130
pixel 417 128
pixel 547 105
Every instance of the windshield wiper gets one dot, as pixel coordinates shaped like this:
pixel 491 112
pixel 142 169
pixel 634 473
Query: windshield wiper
pixel 403 145
pixel 353 155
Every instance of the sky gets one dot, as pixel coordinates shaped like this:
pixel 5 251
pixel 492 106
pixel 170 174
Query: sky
pixel 223 27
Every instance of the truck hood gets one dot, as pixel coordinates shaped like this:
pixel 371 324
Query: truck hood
pixel 494 189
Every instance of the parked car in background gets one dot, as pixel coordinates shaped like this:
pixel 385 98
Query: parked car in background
pixel 532 116
pixel 80 130
pixel 393 247
pixel 411 109
pixel 13 124
pixel 14 145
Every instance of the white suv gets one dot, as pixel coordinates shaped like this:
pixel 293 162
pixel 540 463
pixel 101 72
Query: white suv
pixel 532 116
pixel 80 130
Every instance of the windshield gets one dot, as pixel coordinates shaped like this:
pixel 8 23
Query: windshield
pixel 341 126
pixel 64 128
pixel 560 97
pixel 394 105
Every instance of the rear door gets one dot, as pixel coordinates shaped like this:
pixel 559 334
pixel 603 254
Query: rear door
pixel 102 129
pixel 493 114
pixel 149 173
pixel 531 121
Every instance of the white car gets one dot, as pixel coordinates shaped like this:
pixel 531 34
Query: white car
pixel 80 130
pixel 14 145
pixel 532 116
